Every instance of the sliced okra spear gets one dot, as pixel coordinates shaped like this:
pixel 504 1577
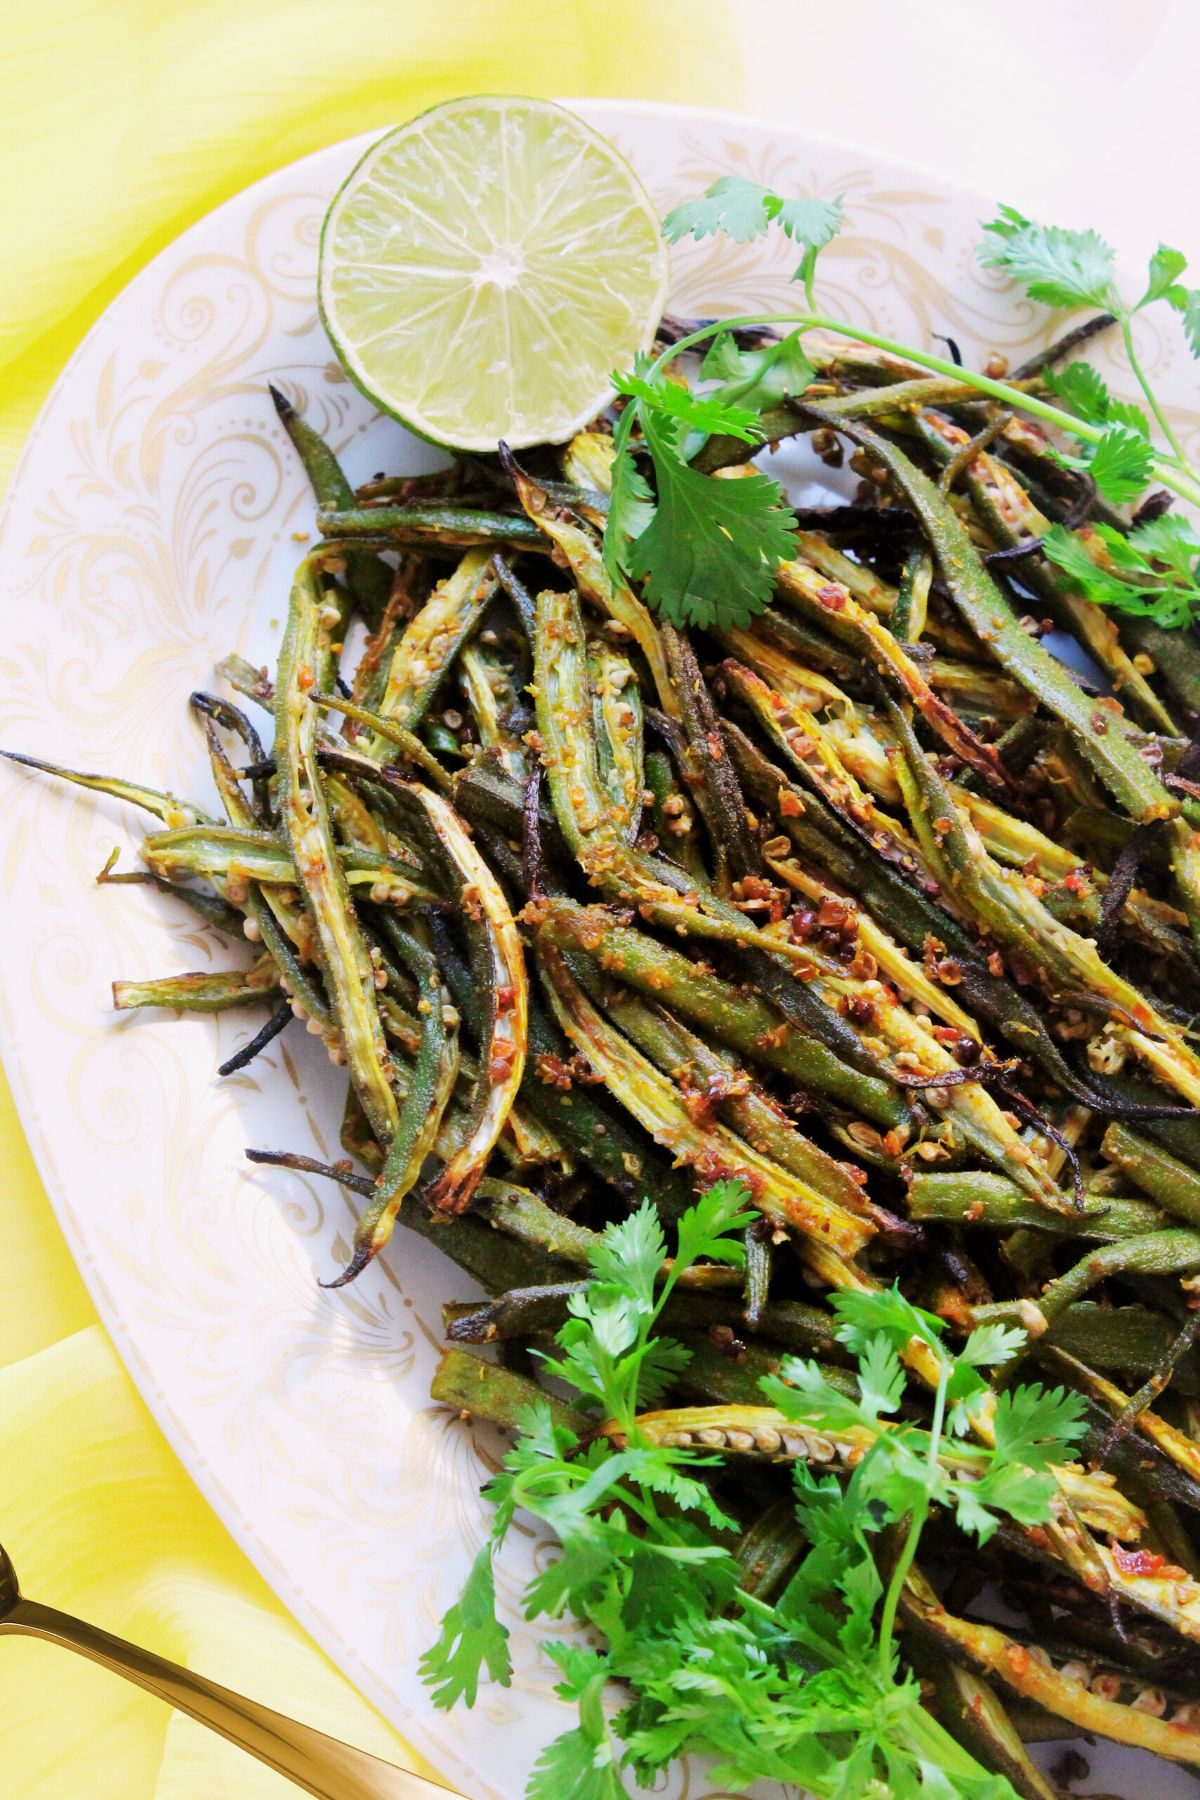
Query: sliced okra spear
pixel 429 644
pixel 273 916
pixel 550 1088
pixel 235 854
pixel 734 852
pixel 166 807
pixel 1004 906
pixel 214 910
pixel 766 1432
pixel 658 1106
pixel 430 1085
pixel 202 992
pixel 660 890
pixel 833 604
pixel 1102 736
pixel 1011 518
pixel 368 579
pixel 501 963
pixel 573 540
pixel 1169 1182
pixel 985 1199
pixel 745 1021
pixel 992 1651
pixel 445 527
pixel 485 1390
pixel 618 725
pixel 304 813
pixel 673 814
pixel 914 918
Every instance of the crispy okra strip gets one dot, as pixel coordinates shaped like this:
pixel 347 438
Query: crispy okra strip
pixel 658 1106
pixel 430 1084
pixel 660 889
pixel 431 640
pixel 713 1087
pixel 304 813
pixel 809 750
pixel 1169 1182
pixel 1004 906
pixel 582 553
pixel 446 527
pixel 716 788
pixel 273 915
pixel 618 725
pixel 526 1217
pixel 746 1022
pixel 983 1198
pixel 1011 518
pixel 485 1390
pixel 1146 1424
pixel 214 910
pixel 411 749
pixel 766 1433
pixel 503 1049
pixel 489 686
pixel 673 814
pixel 917 921
pixel 992 1651
pixel 834 605
pixel 166 807
pixel 1102 736
pixel 204 992
pixel 231 853
pixel 368 578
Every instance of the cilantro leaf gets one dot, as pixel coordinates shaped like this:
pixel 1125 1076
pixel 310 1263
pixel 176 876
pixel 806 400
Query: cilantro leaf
pixel 630 510
pixel 881 1378
pixel 1059 267
pixel 630 1254
pixel 803 1394
pixel 1034 1425
pixel 741 209
pixel 1084 391
pixel 699 412
pixel 706 1229
pixel 745 209
pixel 1166 266
pixel 581 1762
pixel 708 555
pixel 1186 302
pixel 1120 464
pixel 861 1315
pixel 813 223
pixel 1161 560
pixel 757 378
pixel 471 1639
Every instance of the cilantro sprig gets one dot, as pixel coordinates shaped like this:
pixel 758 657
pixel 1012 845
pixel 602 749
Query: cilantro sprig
pixel 809 1687
pixel 1077 268
pixel 707 549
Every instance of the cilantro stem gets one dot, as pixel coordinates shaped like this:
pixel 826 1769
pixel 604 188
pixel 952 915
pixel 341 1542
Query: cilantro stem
pixel 1174 471
pixel 1148 391
pixel 916 1526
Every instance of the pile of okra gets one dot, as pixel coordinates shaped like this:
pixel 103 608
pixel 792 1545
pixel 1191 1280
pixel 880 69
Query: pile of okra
pixel 873 904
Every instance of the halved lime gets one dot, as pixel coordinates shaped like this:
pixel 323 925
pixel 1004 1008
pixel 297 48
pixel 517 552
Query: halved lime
pixel 486 267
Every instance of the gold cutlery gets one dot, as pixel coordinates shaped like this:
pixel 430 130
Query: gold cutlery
pixel 318 1764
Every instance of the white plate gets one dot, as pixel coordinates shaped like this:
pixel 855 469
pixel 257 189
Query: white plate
pixel 152 527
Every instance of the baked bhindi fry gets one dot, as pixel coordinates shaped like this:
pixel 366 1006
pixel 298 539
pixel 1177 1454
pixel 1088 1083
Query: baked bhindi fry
pixel 853 944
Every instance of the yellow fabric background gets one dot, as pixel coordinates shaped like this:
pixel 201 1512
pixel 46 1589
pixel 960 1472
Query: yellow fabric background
pixel 121 123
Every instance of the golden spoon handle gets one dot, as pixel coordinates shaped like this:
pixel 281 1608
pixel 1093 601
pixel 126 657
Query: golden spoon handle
pixel 319 1764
